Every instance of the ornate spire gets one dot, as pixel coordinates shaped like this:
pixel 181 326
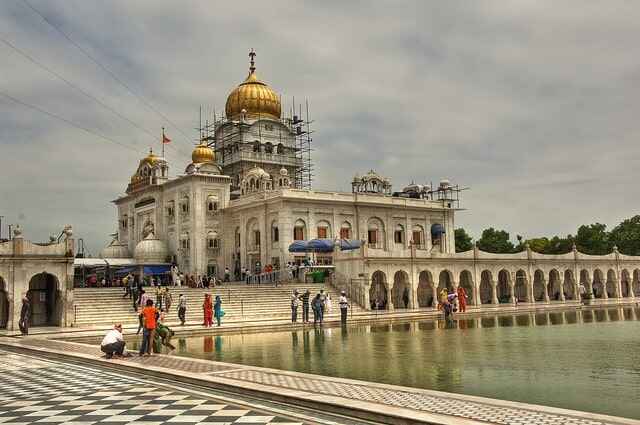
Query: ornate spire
pixel 252 55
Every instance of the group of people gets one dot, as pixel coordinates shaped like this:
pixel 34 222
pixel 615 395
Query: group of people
pixel 212 310
pixel 320 305
pixel 155 334
pixel 452 301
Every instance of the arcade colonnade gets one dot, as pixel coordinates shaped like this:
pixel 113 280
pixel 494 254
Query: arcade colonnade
pixel 499 280
pixel 43 273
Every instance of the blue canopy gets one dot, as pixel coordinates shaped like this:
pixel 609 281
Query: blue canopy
pixel 321 245
pixel 349 244
pixel 298 246
pixel 156 269
pixel 125 270
pixel 437 229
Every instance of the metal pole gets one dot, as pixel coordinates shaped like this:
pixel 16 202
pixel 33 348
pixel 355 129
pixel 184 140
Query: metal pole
pixel 1 217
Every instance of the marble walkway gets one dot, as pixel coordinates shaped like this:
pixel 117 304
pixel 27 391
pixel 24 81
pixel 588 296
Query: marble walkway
pixel 421 405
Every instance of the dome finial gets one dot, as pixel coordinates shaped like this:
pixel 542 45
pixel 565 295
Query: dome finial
pixel 252 55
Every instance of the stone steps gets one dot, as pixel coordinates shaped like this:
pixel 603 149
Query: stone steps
pixel 103 306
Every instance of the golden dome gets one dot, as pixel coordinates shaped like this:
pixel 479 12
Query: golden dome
pixel 151 159
pixel 254 96
pixel 203 153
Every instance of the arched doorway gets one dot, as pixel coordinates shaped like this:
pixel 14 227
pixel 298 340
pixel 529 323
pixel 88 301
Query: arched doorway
pixel 568 287
pixel 553 287
pixel 445 281
pixel 4 304
pixel 598 284
pixel 520 287
pixel 503 289
pixel 612 287
pixel 625 283
pixel 45 300
pixel 466 282
pixel 426 296
pixel 585 281
pixel 378 291
pixel 635 284
pixel 538 286
pixel 400 292
pixel 486 292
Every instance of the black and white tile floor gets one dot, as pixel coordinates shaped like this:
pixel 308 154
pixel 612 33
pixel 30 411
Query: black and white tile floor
pixel 34 391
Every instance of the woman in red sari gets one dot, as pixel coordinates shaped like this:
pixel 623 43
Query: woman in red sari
pixel 207 307
pixel 462 299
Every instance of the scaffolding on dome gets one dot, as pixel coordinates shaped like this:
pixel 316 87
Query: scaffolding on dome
pixel 212 132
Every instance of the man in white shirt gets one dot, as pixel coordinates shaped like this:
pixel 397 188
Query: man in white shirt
pixel 113 343
pixel 343 307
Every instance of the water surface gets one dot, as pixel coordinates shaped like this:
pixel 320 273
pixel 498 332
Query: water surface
pixel 584 360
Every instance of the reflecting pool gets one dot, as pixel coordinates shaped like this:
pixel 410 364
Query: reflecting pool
pixel 585 360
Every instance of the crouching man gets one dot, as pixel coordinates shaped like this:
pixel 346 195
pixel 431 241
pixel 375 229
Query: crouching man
pixel 113 343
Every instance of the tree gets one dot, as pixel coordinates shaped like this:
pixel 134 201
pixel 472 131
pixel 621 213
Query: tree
pixel 593 239
pixel 496 241
pixel 626 236
pixel 463 240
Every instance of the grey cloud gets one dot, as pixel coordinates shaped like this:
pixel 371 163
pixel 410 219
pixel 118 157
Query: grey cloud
pixel 531 104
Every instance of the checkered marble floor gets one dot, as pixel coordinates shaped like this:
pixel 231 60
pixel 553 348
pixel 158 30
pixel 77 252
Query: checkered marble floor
pixel 38 392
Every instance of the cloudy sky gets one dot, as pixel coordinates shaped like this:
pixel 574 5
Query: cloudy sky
pixel 533 105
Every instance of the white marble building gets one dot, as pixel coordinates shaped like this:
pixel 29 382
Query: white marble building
pixel 241 202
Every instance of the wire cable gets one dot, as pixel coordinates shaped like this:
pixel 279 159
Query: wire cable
pixel 69 122
pixel 107 70
pixel 76 87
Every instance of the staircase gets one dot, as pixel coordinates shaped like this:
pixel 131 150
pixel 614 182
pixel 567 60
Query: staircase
pixel 105 306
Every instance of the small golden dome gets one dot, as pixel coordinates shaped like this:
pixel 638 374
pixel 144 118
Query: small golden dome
pixel 254 96
pixel 203 153
pixel 151 159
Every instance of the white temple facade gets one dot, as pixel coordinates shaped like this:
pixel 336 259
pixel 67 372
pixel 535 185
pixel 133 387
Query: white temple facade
pixel 242 201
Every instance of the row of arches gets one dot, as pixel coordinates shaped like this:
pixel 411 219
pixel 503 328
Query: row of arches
pixel 507 287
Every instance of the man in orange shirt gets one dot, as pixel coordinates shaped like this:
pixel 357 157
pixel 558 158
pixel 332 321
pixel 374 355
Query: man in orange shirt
pixel 148 333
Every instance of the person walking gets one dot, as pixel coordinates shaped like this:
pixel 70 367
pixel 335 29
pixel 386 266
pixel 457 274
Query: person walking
pixel 462 299
pixel 323 300
pixel 182 309
pixel 317 306
pixel 344 304
pixel 149 313
pixel 227 274
pixel 405 297
pixel 159 297
pixel 25 316
pixel 140 320
pixel 207 309
pixel 328 307
pixel 305 306
pixel 168 299
pixel 217 310
pixel 295 301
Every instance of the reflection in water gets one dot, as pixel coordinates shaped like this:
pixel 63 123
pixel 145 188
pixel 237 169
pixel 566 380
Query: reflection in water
pixel 587 361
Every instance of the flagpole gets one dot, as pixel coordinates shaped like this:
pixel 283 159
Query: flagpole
pixel 162 142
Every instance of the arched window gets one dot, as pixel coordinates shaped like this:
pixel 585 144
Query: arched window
pixel 323 229
pixel 375 233
pixel 212 240
pixel 418 236
pixel 275 232
pixel 299 230
pixel 212 203
pixel 184 204
pixel 398 234
pixel 268 147
pixel 345 230
pixel 256 146
pixel 280 148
